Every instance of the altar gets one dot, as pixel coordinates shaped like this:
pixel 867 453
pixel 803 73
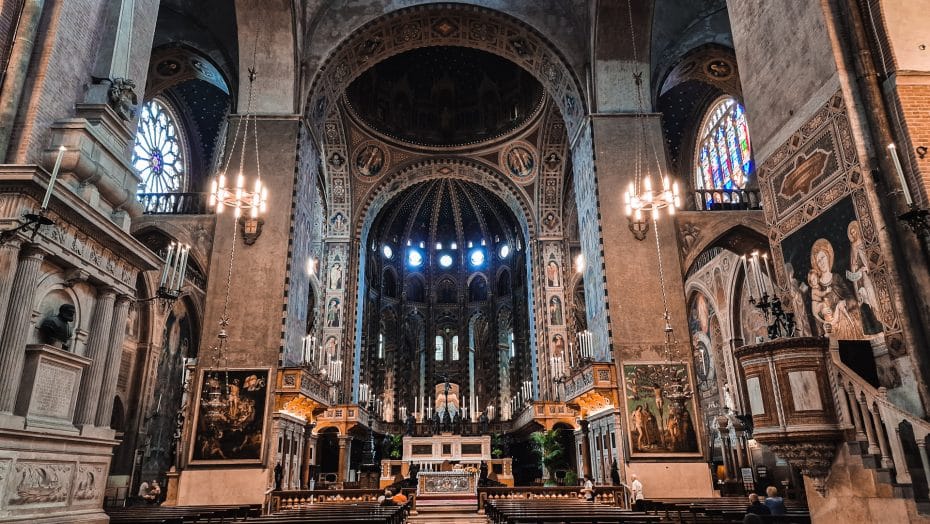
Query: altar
pixel 456 482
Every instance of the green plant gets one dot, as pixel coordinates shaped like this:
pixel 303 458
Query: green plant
pixel 571 478
pixel 396 443
pixel 549 446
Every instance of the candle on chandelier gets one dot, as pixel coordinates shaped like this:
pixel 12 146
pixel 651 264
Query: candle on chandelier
pixel 167 266
pixel 54 177
pixel 768 270
pixel 746 274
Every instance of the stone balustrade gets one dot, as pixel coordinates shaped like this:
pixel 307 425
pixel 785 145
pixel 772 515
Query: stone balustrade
pixel 613 495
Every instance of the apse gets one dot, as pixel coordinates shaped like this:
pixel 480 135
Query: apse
pixel 446 302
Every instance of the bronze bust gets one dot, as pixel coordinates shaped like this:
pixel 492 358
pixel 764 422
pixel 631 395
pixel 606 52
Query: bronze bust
pixel 56 328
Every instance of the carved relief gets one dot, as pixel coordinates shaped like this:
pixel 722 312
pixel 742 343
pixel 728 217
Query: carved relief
pixel 41 483
pixel 89 482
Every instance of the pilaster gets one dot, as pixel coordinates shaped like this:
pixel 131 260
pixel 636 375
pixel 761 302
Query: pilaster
pixel 100 326
pixel 113 357
pixel 18 323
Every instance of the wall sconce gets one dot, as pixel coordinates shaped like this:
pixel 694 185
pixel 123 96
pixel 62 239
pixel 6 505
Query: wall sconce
pixel 250 229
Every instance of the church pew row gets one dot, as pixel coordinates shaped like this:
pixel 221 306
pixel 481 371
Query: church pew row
pixel 724 509
pixel 180 514
pixel 538 511
pixel 355 513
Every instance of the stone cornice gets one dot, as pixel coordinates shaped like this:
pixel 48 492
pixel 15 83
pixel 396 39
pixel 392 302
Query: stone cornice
pixel 30 182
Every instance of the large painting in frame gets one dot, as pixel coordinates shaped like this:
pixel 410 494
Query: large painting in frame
pixel 229 417
pixel 660 410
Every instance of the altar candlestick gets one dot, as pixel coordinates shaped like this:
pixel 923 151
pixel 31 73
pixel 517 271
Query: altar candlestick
pixel 54 177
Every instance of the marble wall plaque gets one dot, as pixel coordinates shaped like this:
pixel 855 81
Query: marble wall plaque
pixel 49 388
pixel 804 391
pixel 754 389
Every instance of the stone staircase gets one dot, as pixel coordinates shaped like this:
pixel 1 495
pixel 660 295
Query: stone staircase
pixel 874 465
pixel 453 511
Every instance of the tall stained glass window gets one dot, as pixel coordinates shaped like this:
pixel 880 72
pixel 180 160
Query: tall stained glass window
pixel 158 154
pixel 724 154
pixel 440 348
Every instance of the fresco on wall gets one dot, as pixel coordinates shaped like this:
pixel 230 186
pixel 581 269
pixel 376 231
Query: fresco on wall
pixel 827 260
pixel 699 316
pixel 161 421
pixel 660 409
pixel 230 418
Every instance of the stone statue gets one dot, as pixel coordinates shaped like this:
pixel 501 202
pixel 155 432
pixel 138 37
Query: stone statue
pixel 278 476
pixel 446 421
pixel 457 422
pixel 434 423
pixel 56 328
pixel 122 98
pixel 483 423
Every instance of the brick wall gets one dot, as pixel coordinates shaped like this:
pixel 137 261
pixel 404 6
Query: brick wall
pixel 913 113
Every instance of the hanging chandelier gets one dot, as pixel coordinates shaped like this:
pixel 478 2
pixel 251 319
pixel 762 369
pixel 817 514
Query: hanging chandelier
pixel 239 197
pixel 641 198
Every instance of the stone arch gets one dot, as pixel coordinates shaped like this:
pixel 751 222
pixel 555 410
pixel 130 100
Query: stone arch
pixel 405 176
pixel 446 24
pixel 750 232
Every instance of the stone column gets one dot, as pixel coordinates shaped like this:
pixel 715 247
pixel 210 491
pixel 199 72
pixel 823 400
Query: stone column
pixel 9 260
pixel 308 455
pixel 114 356
pixel 100 324
pixel 343 458
pixel 585 450
pixel 18 323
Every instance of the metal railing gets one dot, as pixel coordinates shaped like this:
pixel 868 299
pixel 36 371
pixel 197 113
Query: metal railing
pixel 726 199
pixel 175 203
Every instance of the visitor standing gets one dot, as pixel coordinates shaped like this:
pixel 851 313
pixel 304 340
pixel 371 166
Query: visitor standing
pixel 756 507
pixel 636 489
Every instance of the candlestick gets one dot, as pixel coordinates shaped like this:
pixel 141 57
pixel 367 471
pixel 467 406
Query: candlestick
pixel 746 274
pixel 187 252
pixel 893 151
pixel 164 271
pixel 768 270
pixel 54 177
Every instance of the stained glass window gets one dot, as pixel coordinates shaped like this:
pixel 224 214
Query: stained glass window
pixel 724 154
pixel 440 343
pixel 158 154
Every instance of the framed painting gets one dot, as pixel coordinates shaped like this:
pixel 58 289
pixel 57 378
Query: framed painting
pixel 229 417
pixel 660 410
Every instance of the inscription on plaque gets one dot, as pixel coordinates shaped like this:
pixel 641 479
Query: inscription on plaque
pixel 53 390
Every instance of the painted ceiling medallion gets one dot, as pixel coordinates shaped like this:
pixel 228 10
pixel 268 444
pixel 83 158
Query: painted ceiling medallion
pixel 370 159
pixel 519 161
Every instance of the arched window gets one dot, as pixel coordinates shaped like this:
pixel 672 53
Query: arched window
pixel 159 152
pixel 724 153
pixel 439 348
pixel 455 347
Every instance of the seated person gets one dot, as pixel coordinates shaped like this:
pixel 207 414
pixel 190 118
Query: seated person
pixel 400 499
pixel 775 503
pixel 756 507
pixel 150 492
pixel 386 499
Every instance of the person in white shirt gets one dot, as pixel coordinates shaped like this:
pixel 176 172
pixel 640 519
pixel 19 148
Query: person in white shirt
pixel 587 491
pixel 637 493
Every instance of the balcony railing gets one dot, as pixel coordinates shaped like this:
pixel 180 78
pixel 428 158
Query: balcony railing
pixel 175 203
pixel 726 199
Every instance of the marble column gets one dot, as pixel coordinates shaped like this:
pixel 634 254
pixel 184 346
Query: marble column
pixel 585 450
pixel 18 324
pixel 9 260
pixel 100 325
pixel 114 356
pixel 343 458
